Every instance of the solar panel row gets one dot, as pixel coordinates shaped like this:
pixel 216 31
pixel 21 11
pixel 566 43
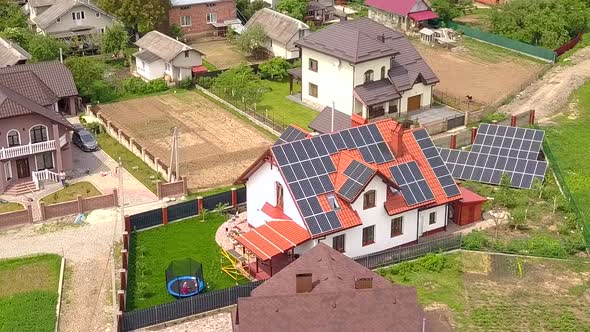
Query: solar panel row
pixel 436 163
pixel 358 176
pixel 291 134
pixel 508 141
pixel 412 183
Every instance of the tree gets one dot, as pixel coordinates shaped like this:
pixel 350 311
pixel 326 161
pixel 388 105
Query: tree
pixel 45 48
pixel 247 8
pixel 140 15
pixel 274 69
pixel 447 10
pixel 20 36
pixel 86 72
pixel 294 8
pixel 252 41
pixel 241 83
pixel 115 40
pixel 11 16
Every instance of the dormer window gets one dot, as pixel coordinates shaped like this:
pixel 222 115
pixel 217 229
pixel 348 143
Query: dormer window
pixel 333 203
pixel 383 72
pixel 368 76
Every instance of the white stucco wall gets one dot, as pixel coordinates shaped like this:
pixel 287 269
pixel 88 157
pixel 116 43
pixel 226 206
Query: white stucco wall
pixel 90 19
pixel 193 59
pixel 334 79
pixel 423 216
pixel 417 89
pixel 390 20
pixel 375 65
pixel 150 71
pixel 260 189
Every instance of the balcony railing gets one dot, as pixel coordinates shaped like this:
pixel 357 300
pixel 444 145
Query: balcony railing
pixel 29 149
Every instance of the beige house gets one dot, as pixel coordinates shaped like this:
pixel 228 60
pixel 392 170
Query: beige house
pixel 160 56
pixel 67 18
pixel 11 54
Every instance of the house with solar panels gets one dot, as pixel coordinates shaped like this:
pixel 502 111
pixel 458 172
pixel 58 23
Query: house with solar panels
pixel 363 69
pixel 360 190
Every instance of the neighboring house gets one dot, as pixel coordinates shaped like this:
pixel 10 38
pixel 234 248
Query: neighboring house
pixel 324 290
pixel 34 135
pixel 364 69
pixel 320 11
pixel 402 15
pixel 360 190
pixel 11 54
pixel 68 18
pixel 202 16
pixel 282 31
pixel 160 56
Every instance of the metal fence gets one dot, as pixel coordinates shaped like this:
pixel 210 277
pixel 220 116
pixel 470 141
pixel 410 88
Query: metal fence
pixel 515 45
pixel 396 255
pixel 182 210
pixel 582 216
pixel 186 307
pixel 146 219
pixel 211 202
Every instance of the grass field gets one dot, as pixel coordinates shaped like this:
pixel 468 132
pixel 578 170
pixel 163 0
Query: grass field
pixel 152 250
pixel 71 191
pixel 11 207
pixel 28 293
pixel 283 109
pixel 482 292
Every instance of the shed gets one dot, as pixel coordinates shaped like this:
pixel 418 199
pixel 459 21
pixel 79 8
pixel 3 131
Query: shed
pixel 468 209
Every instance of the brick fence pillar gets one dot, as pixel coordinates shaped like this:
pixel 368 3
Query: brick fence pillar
pixel 80 203
pixel 199 205
pixel 127 224
pixel 119 321
pixel 125 240
pixel 124 258
pixel 184 185
pixel 234 197
pixel 123 274
pixel 159 189
pixel 165 215
pixel 121 295
pixel 473 134
pixel 453 141
pixel 30 213
pixel 115 197
pixel 531 117
pixel 513 121
pixel 43 212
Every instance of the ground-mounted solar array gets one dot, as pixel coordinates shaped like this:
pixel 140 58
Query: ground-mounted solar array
pixel 505 141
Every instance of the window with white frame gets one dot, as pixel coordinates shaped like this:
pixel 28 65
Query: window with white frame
pixel 167 66
pixel 211 17
pixel 186 21
pixel 77 16
pixel 432 218
pixel 333 203
pixel 13 138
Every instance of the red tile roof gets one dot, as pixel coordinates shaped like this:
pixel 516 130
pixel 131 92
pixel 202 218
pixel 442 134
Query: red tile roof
pixel 400 7
pixel 273 238
pixel 470 197
pixel 274 212
pixel 424 15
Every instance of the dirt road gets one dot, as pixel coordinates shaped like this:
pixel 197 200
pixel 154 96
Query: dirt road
pixel 550 94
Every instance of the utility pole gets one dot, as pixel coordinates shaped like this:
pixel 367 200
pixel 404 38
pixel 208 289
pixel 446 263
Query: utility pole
pixel 174 155
pixel 121 193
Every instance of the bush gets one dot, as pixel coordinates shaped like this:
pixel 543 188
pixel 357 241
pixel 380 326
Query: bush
pixel 134 85
pixel 206 82
pixel 185 84
pixel 403 268
pixel 433 262
pixel 102 92
pixel 475 240
pixel 274 69
pixel 156 85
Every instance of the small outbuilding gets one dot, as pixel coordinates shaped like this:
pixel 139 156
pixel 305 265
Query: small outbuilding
pixel 468 209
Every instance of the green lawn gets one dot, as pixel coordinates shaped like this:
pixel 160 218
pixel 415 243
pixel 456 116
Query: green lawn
pixel 283 109
pixel 71 191
pixel 11 207
pixel 140 170
pixel 492 53
pixel 28 293
pixel 152 250
pixel 483 292
pixel 569 139
pixel 209 65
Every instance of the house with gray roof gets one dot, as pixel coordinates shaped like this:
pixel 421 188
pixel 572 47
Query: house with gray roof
pixel 365 69
pixel 160 56
pixel 67 19
pixel 34 135
pixel 11 54
pixel 282 31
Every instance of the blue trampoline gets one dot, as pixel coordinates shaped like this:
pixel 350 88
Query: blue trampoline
pixel 184 278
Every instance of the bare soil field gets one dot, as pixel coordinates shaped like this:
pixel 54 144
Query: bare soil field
pixel 487 73
pixel 215 146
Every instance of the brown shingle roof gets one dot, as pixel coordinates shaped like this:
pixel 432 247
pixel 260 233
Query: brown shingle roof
pixel 333 304
pixel 55 75
pixel 376 92
pixel 323 122
pixel 26 83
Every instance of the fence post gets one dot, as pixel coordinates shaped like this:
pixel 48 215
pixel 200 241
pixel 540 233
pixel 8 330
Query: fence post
pixel 184 185
pixel 157 164
pixel 143 154
pixel 115 197
pixel 159 189
pixel 119 321
pixel 121 294
pixel 453 141
pixel 165 215
pixel 531 117
pixel 123 274
pixel 127 224
pixel 43 212
pixel 199 205
pixel 124 258
pixel 473 134
pixel 234 197
pixel 30 213
pixel 513 121
pixel 125 240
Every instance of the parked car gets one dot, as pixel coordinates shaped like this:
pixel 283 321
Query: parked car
pixel 84 140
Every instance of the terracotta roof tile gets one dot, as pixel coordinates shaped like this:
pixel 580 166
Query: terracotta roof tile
pixel 273 238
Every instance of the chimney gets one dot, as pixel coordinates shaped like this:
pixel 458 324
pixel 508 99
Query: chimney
pixel 397 142
pixel 303 283
pixel 363 283
pixel 381 38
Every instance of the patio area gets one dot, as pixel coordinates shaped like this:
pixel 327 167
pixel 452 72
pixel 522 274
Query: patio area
pixel 437 113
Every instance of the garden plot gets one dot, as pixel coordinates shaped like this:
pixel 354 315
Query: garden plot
pixel 214 145
pixel 488 73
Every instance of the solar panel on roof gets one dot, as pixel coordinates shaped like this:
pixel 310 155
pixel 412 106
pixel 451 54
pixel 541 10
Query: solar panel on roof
pixel 436 163
pixel 291 134
pixel 413 186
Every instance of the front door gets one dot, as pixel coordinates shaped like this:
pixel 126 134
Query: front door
pixel 414 103
pixel 22 168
